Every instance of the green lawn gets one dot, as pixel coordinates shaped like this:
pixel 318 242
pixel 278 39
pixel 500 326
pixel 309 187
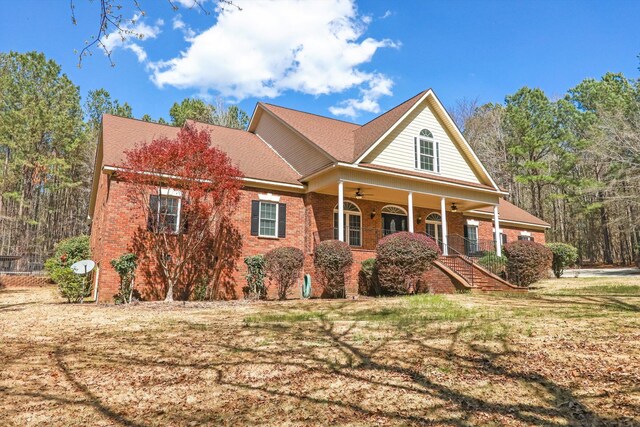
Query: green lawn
pixel 567 353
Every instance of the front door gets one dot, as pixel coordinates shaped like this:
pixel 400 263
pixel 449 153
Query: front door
pixel 392 223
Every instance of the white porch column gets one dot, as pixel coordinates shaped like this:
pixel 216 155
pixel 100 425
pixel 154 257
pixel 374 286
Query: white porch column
pixel 443 214
pixel 341 211
pixel 410 210
pixel 496 226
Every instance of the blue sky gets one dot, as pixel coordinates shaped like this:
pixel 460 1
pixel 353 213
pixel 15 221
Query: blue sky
pixel 334 57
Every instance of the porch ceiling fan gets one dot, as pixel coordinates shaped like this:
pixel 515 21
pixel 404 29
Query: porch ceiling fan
pixel 359 193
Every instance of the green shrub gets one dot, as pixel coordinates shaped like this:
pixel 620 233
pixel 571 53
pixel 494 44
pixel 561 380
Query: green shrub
pixel 283 265
pixel 332 260
pixel 125 266
pixel 527 262
pixel 255 277
pixel 494 263
pixel 200 291
pixel 73 287
pixel 564 255
pixel 401 259
pixel 368 278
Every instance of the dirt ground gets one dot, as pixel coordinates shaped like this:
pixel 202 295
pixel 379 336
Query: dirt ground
pixel 567 353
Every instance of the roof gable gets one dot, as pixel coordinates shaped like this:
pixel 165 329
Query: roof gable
pixel 334 137
pixel 398 148
pixel 448 124
pixel 369 133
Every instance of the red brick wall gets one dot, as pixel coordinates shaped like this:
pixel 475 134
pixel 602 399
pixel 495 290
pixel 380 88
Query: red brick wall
pixel 20 281
pixel 116 219
pixel 485 231
pixel 437 282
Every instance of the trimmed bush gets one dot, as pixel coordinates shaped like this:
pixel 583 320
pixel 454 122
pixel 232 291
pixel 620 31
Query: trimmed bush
pixel 73 287
pixel 527 262
pixel 368 278
pixel 283 265
pixel 125 266
pixel 494 263
pixel 333 260
pixel 255 277
pixel 564 255
pixel 401 259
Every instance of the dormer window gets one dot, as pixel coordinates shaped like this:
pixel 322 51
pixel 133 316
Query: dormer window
pixel 427 152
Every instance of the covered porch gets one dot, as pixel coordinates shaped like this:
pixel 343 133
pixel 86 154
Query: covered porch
pixel 361 207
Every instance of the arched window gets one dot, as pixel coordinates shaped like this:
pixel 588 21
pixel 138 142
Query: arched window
pixel 394 210
pixel 434 217
pixel 427 152
pixel 394 219
pixel 352 223
pixel 433 224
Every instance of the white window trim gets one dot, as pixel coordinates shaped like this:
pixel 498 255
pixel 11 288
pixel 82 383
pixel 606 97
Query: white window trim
pixel 347 214
pixel 436 154
pixel 525 233
pixel 404 211
pixel 269 197
pixel 260 219
pixel 473 222
pixel 170 193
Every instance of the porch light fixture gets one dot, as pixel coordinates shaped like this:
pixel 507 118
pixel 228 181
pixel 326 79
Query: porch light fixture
pixel 419 218
pixel 454 208
pixel 373 213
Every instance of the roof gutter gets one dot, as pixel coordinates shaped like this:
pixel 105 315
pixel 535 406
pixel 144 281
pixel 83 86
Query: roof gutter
pixel 112 169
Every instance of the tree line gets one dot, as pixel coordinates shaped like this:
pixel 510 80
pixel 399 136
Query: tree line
pixel 572 161
pixel 47 146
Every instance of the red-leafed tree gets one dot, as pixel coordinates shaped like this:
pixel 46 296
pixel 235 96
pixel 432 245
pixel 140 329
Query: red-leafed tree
pixel 186 189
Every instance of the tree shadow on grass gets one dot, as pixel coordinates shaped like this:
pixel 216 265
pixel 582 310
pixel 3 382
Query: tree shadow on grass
pixel 301 360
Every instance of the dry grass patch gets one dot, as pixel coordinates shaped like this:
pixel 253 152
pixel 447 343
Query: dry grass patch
pixel 550 357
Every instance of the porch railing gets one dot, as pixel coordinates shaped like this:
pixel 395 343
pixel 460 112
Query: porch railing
pixel 475 248
pixel 478 251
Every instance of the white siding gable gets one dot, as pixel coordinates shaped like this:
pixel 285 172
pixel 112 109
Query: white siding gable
pixel 397 150
pixel 301 155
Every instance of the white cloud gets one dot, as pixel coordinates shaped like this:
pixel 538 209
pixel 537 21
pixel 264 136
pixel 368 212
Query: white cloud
pixel 387 14
pixel 268 47
pixel 186 3
pixel 135 30
pixel 179 24
pixel 138 50
pixel 379 85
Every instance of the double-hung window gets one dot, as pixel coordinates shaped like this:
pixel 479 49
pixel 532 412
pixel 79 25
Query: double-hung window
pixel 164 213
pixel 427 152
pixel 268 219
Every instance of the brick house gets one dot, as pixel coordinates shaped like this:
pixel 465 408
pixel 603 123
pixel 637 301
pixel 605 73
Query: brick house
pixel 310 178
